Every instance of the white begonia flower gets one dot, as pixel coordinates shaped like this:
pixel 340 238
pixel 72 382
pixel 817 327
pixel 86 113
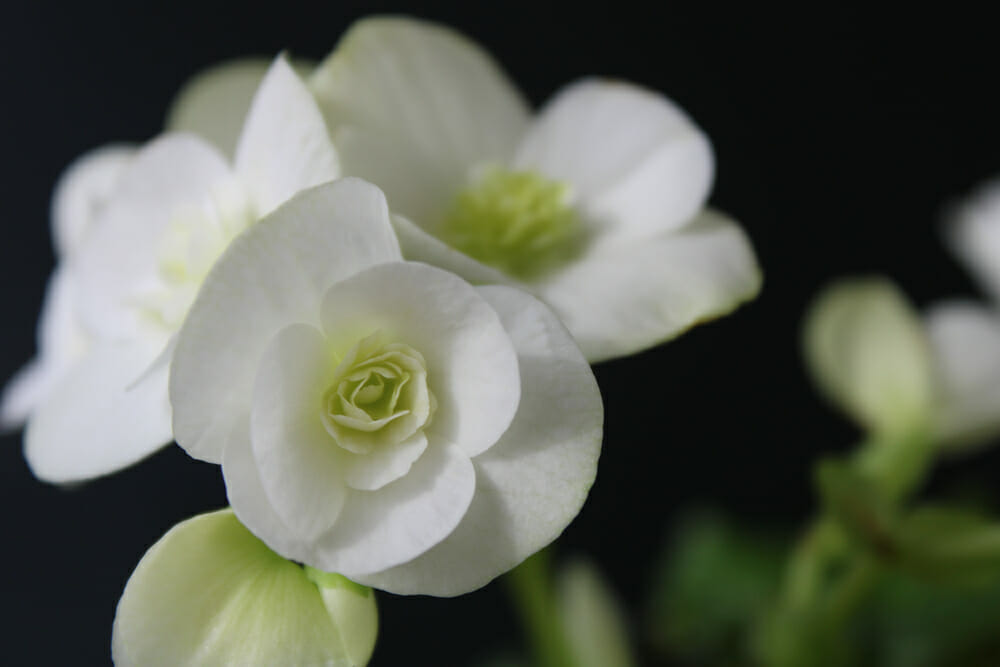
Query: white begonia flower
pixel 596 205
pixel 173 207
pixel 209 593
pixel 897 373
pixel 79 197
pixel 379 418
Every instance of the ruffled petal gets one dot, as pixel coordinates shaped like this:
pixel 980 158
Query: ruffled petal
pixel 471 363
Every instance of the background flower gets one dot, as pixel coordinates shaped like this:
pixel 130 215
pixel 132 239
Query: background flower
pixel 595 205
pixel 289 371
pixel 164 215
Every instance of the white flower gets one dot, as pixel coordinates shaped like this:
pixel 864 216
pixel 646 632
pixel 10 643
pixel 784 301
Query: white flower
pixel 898 374
pixel 378 418
pixel 167 212
pixel 79 198
pixel 209 593
pixel 596 205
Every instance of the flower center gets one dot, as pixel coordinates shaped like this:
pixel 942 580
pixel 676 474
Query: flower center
pixel 378 395
pixel 193 240
pixel 517 221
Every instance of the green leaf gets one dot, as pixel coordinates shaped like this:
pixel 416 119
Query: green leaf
pixel 951 546
pixel 593 621
pixel 712 585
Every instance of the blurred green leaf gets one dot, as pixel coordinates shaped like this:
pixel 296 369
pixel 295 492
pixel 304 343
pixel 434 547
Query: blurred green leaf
pixel 951 546
pixel 592 617
pixel 712 585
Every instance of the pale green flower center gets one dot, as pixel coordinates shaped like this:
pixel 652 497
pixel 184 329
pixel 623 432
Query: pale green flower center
pixel 195 237
pixel 517 221
pixel 378 395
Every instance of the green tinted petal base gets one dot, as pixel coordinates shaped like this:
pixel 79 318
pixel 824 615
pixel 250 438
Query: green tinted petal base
pixel 517 221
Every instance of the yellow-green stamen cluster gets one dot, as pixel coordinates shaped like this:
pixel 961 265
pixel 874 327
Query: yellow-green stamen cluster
pixel 517 221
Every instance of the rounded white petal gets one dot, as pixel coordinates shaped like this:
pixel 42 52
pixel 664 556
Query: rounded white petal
pixel 61 343
pixel 974 235
pixel 532 483
pixel 284 146
pixel 121 253
pixel 380 529
pixel 622 298
pixel 412 106
pixel 209 593
pixel 271 276
pixel 471 363
pixel 82 191
pixel 385 463
pixel 249 499
pixel 965 344
pixel 868 352
pixel 297 460
pixel 98 418
pixel 637 164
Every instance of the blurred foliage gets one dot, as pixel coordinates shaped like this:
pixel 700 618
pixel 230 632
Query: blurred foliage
pixel 712 582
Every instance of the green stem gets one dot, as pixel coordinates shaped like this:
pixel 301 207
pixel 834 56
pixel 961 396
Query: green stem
pixel 530 586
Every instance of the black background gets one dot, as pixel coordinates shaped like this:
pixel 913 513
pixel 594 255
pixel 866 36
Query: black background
pixel 840 134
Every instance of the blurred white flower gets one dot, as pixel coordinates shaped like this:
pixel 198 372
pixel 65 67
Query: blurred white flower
pixel 379 418
pixel 964 334
pixel 897 374
pixel 209 593
pixel 136 261
pixel 596 205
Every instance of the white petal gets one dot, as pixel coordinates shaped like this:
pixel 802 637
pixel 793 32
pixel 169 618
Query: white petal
pixel 61 343
pixel 386 463
pixel 297 460
pixel 471 362
pixel 412 106
pixel 380 529
pixel 868 352
pixel 82 191
pixel 209 593
pixel 97 420
pixel 271 276
pixel 249 499
pixel 532 483
pixel 965 344
pixel 974 235
pixel 620 299
pixel 173 174
pixel 284 146
pixel 637 163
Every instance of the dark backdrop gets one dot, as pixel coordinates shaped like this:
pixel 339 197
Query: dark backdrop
pixel 839 135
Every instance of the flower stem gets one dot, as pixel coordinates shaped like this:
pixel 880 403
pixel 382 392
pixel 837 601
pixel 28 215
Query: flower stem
pixel 531 590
